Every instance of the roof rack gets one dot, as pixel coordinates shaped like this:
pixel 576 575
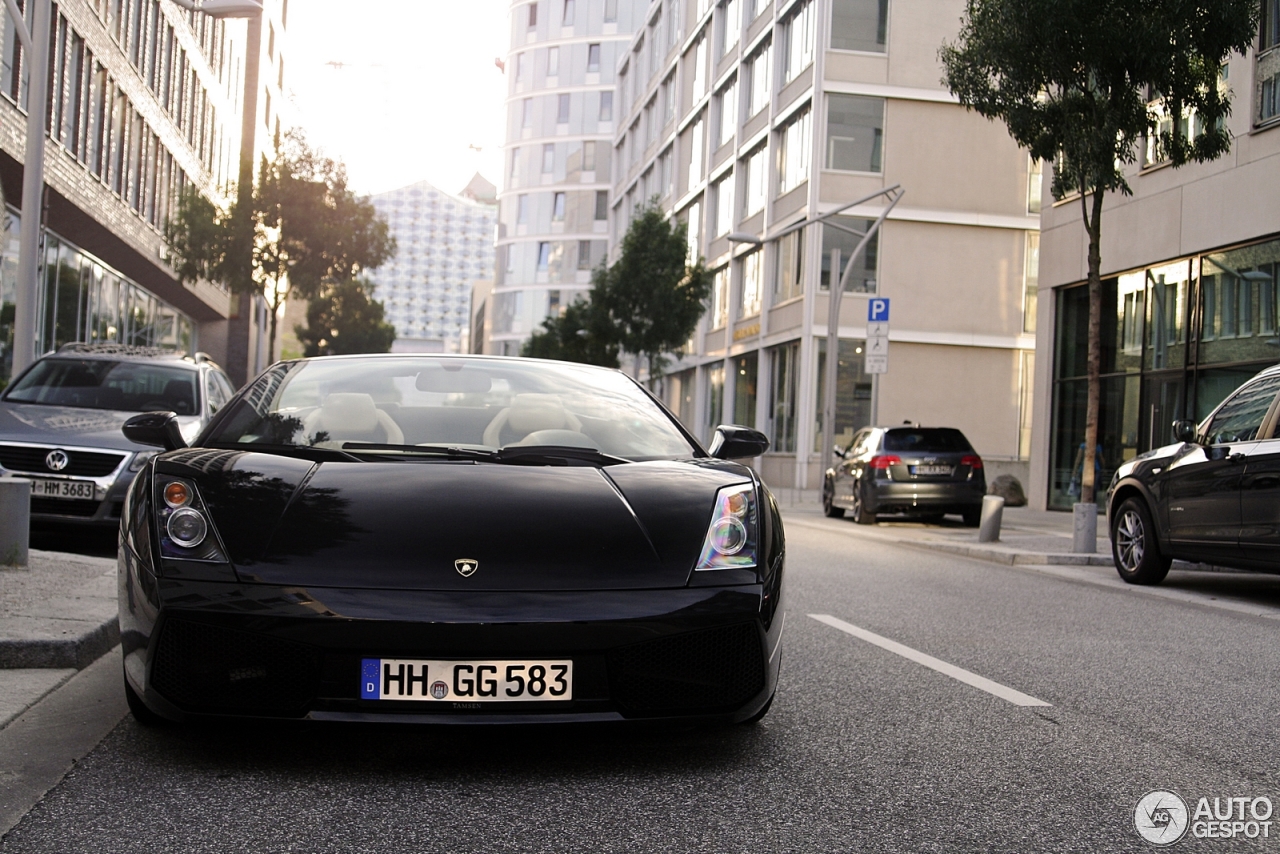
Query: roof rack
pixel 112 348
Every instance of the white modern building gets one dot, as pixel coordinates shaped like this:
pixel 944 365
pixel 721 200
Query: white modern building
pixel 747 116
pixel 444 243
pixel 561 114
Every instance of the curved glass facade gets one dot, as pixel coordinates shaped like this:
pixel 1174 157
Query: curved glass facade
pixel 554 206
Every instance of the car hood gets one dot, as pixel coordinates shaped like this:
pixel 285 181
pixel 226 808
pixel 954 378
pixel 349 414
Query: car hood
pixel 73 425
pixel 410 525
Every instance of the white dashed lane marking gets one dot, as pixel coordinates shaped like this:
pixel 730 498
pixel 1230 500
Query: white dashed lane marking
pixel 958 673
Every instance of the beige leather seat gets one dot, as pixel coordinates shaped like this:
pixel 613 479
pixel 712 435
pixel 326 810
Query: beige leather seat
pixel 527 414
pixel 352 417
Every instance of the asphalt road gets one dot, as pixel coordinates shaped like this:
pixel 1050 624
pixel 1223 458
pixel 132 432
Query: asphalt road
pixel 865 749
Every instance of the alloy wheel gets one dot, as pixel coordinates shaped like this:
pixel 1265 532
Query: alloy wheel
pixel 1131 540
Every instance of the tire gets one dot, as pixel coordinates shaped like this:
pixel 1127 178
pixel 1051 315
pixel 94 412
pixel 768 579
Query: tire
pixel 972 518
pixel 1134 546
pixel 861 514
pixel 828 509
pixel 139 709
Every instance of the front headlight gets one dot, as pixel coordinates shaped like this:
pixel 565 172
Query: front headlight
pixel 186 531
pixel 732 540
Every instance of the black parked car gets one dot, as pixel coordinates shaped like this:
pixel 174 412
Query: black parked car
pixel 60 422
pixel 1213 496
pixel 916 471
pixel 436 538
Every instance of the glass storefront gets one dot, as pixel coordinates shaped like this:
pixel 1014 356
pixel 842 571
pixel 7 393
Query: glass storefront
pixel 1176 340
pixel 81 299
pixel 853 392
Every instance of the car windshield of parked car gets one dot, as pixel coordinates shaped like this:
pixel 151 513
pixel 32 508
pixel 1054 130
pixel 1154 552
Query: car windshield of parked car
pixel 928 439
pixel 106 384
pixel 479 404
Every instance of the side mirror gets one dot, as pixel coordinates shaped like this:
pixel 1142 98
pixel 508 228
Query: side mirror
pixel 733 442
pixel 155 428
pixel 838 451
pixel 1184 431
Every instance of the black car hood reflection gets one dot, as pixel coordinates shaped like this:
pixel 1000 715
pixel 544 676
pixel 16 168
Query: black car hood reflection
pixel 404 524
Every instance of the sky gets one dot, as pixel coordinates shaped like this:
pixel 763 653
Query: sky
pixel 400 90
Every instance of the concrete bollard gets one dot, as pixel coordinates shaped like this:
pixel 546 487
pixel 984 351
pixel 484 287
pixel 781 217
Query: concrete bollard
pixel 1085 528
pixel 992 514
pixel 15 520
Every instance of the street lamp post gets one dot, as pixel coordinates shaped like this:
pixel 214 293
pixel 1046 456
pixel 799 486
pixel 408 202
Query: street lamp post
pixel 893 195
pixel 35 42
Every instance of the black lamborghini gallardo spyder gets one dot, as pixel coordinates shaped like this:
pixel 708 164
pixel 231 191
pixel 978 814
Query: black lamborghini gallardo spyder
pixel 448 539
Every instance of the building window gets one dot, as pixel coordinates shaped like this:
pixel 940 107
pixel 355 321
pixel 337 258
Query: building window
pixel 789 282
pixel 522 209
pixel 798 43
pixel 859 24
pixel 724 205
pixel 757 182
pixel 520 63
pixel 720 298
pixel 544 255
pixel 746 371
pixel 553 62
pixel 602 205
pixel 1031 282
pixel 784 364
pixel 584 254
pixel 515 160
pixel 562 110
pixel 557 208
pixel 760 79
pixel 526 113
pixel 567 19
pixel 548 158
pixel 589 156
pixel 606 106
pixel 730 25
pixel 533 16
pixel 715 398
pixel 855 133
pixel 693 225
pixel 593 58
pixel 700 69
pixel 669 98
pixel 862 278
pixel 1267 71
pixel 793 153
pixel 695 154
pixel 610 11
pixel 751 284
pixel 664 173
pixel 1035 182
pixel 727 110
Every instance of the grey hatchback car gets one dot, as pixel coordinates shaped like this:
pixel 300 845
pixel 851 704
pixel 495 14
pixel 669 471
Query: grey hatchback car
pixel 60 422
pixel 925 472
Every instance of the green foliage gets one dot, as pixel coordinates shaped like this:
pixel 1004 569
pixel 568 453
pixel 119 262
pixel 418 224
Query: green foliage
pixel 300 229
pixel 1073 79
pixel 583 333
pixel 344 319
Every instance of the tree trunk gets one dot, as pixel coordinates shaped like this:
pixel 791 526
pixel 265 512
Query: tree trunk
pixel 1093 225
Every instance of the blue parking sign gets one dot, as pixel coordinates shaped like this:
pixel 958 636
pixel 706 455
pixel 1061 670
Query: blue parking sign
pixel 878 310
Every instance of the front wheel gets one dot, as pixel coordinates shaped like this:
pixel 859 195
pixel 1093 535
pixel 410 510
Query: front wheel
pixel 861 514
pixel 828 496
pixel 1134 547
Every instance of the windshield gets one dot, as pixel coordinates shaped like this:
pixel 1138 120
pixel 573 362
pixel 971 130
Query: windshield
pixel 104 384
pixel 479 404
pixel 928 439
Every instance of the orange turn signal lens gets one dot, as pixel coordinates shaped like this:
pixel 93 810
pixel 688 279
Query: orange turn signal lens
pixel 736 503
pixel 176 494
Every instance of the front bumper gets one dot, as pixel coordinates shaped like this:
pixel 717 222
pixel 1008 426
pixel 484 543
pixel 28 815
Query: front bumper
pixel 205 648
pixel 914 497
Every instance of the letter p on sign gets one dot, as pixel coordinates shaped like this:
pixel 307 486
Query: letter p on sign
pixel 878 310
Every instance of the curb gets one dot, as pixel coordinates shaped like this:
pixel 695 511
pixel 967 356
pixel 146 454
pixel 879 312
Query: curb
pixel 1011 558
pixel 79 650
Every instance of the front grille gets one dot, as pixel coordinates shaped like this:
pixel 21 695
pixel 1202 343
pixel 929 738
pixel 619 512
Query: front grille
pixel 80 463
pixel 203 667
pixel 702 671
pixel 64 507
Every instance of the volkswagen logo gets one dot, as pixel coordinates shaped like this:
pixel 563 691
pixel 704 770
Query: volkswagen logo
pixel 466 566
pixel 57 460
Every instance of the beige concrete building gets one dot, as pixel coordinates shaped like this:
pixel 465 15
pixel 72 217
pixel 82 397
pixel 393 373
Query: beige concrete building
pixel 747 116
pixel 1189 264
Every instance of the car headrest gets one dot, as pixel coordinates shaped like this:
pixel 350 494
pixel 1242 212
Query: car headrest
pixel 349 412
pixel 530 412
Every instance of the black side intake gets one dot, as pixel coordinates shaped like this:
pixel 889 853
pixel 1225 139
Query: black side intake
pixel 705 671
pixel 201 667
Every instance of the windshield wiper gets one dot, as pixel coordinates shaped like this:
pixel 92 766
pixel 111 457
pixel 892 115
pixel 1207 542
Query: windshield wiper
pixel 422 450
pixel 305 452
pixel 531 453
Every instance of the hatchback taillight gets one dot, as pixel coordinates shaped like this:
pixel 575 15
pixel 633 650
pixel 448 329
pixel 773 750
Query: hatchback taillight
pixel 973 461
pixel 883 461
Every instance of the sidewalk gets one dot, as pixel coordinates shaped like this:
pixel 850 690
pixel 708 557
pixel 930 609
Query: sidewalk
pixel 57 616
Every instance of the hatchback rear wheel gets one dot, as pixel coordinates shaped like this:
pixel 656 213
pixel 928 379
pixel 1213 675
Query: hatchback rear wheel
pixel 1134 547
pixel 828 497
pixel 860 513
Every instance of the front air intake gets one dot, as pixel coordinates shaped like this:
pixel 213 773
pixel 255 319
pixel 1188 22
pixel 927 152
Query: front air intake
pixel 705 671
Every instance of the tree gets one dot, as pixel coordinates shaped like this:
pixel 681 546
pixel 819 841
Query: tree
pixel 1080 83
pixel 300 230
pixel 345 319
pixel 582 333
pixel 653 297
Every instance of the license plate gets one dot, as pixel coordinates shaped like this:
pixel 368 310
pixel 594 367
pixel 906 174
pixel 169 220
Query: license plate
pixel 465 681
pixel 62 488
pixel 934 470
